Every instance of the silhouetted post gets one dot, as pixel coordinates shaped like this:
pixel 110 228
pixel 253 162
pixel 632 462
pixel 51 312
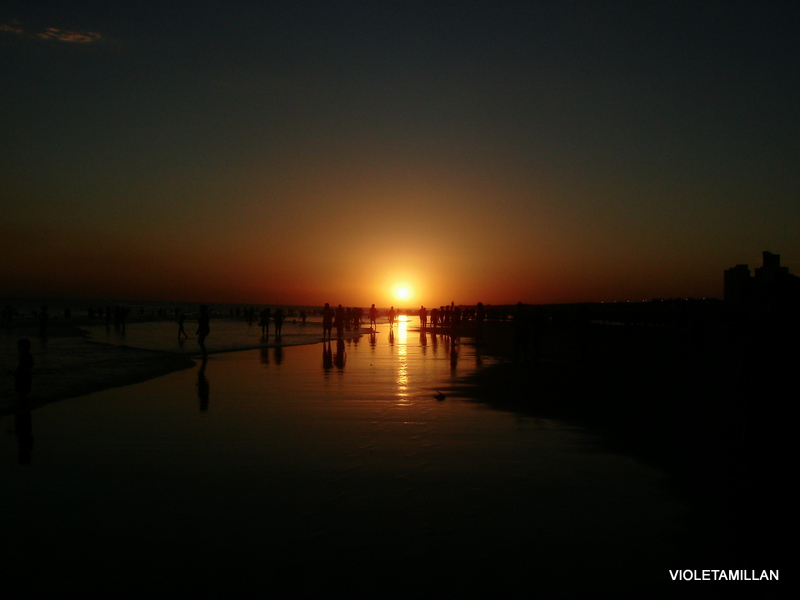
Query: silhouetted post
pixel 520 332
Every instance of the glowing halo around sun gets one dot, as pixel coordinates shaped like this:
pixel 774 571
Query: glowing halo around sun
pixel 402 292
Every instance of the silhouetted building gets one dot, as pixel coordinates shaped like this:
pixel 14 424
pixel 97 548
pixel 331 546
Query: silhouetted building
pixel 738 284
pixel 771 271
pixel 771 294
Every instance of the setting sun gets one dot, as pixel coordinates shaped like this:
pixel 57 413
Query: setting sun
pixel 402 293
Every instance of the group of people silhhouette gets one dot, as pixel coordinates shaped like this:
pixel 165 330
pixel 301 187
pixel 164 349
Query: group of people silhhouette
pixel 449 317
pixel 343 319
pixel 278 318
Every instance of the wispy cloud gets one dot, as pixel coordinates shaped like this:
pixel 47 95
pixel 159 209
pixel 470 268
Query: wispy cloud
pixel 67 36
pixel 12 27
pixel 74 37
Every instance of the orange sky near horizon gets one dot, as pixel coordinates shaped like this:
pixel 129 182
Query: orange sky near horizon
pixel 106 266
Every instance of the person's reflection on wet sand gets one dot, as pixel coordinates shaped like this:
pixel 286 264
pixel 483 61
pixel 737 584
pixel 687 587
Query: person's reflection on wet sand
pixel 279 318
pixel 278 355
pixel 453 354
pixel 327 356
pixel 340 357
pixel 203 387
pixel 265 356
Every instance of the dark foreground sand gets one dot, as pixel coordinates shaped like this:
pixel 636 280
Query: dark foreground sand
pixel 708 406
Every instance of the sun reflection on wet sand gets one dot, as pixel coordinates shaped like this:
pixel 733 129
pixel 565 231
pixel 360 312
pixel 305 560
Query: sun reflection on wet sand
pixel 402 359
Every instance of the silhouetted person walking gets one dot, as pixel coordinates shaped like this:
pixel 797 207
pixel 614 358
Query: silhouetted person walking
pixel 181 330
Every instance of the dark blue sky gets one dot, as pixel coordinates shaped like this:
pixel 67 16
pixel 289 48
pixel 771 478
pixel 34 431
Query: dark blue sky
pixel 543 151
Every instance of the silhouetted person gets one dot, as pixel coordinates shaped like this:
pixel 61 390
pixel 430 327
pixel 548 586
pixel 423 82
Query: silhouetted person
pixel 266 315
pixel 279 318
pixel 455 318
pixel 423 317
pixel 119 318
pixel 434 317
pixel 203 328
pixel 181 318
pixel 373 317
pixel 392 316
pixel 339 321
pixel 327 321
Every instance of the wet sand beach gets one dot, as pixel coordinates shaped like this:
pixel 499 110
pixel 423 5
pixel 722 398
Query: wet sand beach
pixel 706 405
pixel 320 468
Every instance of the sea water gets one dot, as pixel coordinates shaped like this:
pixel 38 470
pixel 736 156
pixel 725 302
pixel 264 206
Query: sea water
pixel 77 355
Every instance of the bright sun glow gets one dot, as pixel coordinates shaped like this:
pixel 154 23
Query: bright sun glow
pixel 402 293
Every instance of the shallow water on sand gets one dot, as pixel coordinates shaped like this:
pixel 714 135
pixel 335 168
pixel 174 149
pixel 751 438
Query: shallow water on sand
pixel 227 334
pixel 323 467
